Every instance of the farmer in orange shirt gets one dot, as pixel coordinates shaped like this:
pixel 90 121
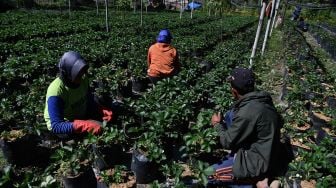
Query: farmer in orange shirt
pixel 162 58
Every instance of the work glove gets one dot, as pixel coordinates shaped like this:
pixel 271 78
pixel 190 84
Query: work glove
pixel 83 126
pixel 106 112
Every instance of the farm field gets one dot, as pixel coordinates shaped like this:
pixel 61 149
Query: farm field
pixel 169 122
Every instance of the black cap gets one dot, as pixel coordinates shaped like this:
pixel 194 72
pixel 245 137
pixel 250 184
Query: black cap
pixel 242 79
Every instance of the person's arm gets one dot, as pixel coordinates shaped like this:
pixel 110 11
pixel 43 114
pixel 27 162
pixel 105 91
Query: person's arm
pixel 149 57
pixel 60 126
pixel 56 114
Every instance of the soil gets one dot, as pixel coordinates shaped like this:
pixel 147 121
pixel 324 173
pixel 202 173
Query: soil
pixel 13 135
pixel 298 143
pixel 129 180
pixel 304 127
pixel 308 184
pixel 186 171
pixel 322 116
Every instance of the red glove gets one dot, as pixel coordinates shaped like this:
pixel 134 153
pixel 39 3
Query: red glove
pixel 107 113
pixel 82 126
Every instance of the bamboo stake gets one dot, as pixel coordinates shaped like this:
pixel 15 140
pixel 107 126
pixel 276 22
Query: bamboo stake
pixel 69 7
pixel 261 17
pixel 106 15
pixel 275 14
pixel 267 28
pixel 97 7
pixel 181 6
pixel 141 12
pixel 192 10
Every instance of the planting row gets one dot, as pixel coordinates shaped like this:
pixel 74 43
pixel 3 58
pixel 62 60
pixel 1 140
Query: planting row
pixel 326 39
pixel 73 39
pixel 58 24
pixel 20 71
pixel 182 104
pixel 310 93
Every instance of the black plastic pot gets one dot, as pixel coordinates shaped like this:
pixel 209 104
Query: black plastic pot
pixel 86 179
pixel 316 121
pixel 172 150
pixel 108 156
pixel 139 85
pixel 311 95
pixel 206 66
pixel 194 54
pixel 2 125
pixel 24 151
pixel 331 101
pixel 145 171
pixel 126 90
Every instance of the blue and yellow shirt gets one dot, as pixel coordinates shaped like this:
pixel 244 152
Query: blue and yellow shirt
pixel 64 104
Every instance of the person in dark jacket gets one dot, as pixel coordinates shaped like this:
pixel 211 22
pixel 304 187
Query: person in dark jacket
pixel 302 24
pixel 69 106
pixel 251 130
pixel 296 13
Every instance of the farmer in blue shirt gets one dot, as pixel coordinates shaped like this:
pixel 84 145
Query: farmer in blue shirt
pixel 69 102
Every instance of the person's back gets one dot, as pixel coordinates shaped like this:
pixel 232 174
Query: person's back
pixel 302 25
pixel 251 130
pixel 162 59
pixel 296 13
pixel 256 115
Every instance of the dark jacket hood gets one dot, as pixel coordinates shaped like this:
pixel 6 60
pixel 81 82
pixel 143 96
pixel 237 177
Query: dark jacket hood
pixel 260 96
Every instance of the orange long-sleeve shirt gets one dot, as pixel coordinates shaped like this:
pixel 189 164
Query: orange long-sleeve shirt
pixel 162 60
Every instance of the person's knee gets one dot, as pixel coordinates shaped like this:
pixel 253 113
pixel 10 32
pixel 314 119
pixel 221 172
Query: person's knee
pixel 262 183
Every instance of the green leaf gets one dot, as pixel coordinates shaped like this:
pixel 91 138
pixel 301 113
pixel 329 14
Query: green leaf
pixel 209 171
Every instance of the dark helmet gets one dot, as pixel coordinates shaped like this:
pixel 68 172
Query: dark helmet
pixel 70 65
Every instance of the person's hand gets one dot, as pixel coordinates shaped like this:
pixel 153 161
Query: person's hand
pixel 216 119
pixel 107 113
pixel 83 126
